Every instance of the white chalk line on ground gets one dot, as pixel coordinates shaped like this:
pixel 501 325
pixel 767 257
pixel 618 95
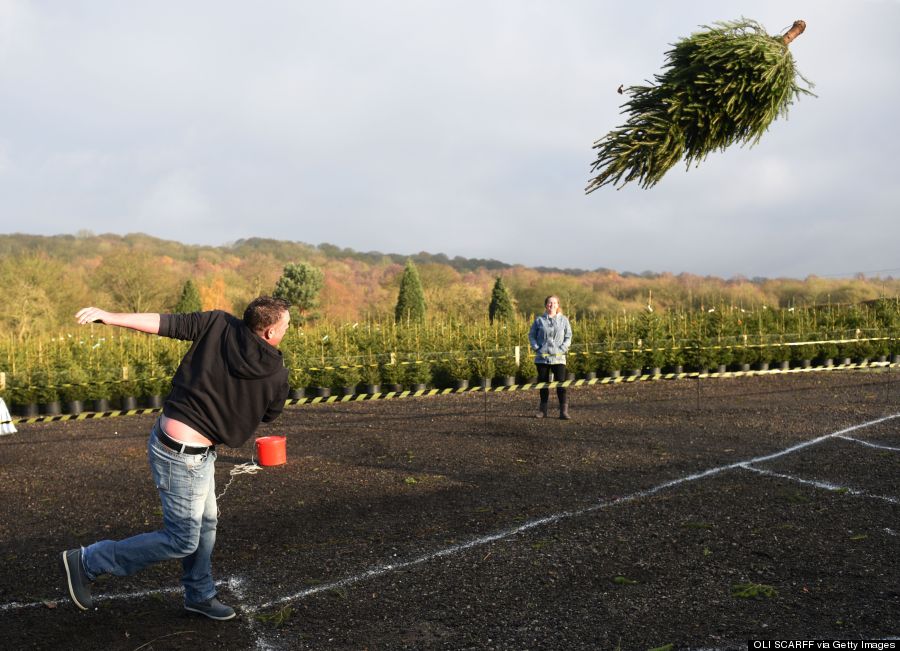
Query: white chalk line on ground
pixel 381 570
pixel 124 596
pixel 877 446
pixel 822 484
pixel 236 585
pixel 477 542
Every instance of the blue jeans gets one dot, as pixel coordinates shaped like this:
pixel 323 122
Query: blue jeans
pixel 187 489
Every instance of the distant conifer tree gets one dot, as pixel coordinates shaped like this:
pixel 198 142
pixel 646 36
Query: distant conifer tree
pixel 411 298
pixel 190 299
pixel 300 284
pixel 501 308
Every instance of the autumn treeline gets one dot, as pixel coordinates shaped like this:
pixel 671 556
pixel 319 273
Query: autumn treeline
pixel 44 280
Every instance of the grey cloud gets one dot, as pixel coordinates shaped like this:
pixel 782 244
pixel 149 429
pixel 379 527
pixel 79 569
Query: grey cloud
pixel 463 128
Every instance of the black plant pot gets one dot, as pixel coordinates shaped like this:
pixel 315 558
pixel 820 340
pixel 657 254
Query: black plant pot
pixel 590 375
pixel 655 371
pixel 615 374
pixel 506 380
pixel 393 388
pixel 484 383
pixel 763 366
pixel 460 385
pixel 74 407
pixel 784 366
pixel 679 369
pixel 51 408
pixel 298 394
pixel 100 404
pixel 372 389
pixel 322 392
pixel 29 410
pixel 129 403
pixel 153 402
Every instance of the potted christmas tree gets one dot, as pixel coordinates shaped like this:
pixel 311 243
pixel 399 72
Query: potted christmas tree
pixel 370 375
pixel 392 375
pixel 418 375
pixel 505 369
pixel 73 390
pixel 459 372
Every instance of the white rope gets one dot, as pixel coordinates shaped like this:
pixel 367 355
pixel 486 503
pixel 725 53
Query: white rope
pixel 250 468
pixel 240 469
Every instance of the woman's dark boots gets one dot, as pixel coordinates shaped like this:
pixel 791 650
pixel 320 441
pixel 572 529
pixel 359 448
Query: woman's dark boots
pixel 563 411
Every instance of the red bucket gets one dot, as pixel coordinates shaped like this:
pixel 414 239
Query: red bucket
pixel 271 450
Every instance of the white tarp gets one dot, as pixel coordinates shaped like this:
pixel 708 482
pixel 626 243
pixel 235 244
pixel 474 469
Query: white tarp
pixel 6 426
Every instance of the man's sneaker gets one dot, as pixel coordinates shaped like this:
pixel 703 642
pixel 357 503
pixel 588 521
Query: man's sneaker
pixel 76 580
pixel 213 608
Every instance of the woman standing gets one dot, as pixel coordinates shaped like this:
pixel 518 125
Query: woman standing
pixel 550 336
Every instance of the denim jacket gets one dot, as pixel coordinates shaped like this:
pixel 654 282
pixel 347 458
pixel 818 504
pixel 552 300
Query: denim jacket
pixel 550 338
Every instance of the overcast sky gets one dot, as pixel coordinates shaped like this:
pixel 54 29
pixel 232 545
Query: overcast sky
pixel 461 127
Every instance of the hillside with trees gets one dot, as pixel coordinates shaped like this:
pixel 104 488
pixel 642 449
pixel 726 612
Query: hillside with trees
pixel 45 279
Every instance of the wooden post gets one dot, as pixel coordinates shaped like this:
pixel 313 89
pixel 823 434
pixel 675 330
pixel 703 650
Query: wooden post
pixel 698 388
pixel 518 356
pixel 2 381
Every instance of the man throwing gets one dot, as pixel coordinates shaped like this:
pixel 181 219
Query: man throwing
pixel 230 380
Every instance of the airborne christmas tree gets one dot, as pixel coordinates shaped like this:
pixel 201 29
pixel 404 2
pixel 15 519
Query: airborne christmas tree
pixel 721 86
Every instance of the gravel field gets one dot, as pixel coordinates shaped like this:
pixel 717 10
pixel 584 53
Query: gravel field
pixel 671 514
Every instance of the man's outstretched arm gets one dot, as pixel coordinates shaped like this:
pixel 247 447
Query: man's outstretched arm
pixel 142 322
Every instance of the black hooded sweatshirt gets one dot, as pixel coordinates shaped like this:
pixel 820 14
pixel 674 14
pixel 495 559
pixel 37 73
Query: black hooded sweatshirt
pixel 228 382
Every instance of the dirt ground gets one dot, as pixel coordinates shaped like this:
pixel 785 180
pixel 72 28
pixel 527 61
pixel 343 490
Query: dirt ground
pixel 461 522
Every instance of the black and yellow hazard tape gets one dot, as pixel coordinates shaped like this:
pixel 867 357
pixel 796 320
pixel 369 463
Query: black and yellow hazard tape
pixel 361 397
pixel 391 395
pixel 85 415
